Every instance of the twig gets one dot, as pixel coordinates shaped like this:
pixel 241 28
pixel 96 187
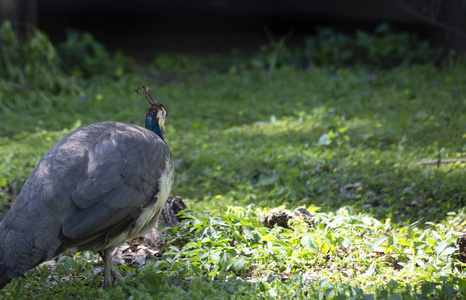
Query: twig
pixel 431 20
pixel 442 162
pixel 417 222
pixel 277 47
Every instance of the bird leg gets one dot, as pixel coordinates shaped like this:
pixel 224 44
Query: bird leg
pixel 109 268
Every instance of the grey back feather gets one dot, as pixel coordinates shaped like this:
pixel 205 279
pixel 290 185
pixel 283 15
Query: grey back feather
pixel 88 188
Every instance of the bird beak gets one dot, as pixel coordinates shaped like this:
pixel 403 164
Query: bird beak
pixel 163 129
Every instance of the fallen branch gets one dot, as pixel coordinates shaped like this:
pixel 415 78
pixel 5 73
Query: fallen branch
pixel 442 162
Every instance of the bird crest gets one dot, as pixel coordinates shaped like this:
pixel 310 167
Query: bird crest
pixel 147 93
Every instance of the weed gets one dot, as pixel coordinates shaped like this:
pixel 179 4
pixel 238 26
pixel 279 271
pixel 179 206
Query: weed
pixel 344 141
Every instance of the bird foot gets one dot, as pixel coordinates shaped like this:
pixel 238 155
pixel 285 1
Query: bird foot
pixel 110 281
pixel 111 274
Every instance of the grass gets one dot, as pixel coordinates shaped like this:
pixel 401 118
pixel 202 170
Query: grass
pixel 344 142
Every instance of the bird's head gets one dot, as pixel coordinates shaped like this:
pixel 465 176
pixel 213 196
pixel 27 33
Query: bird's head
pixel 156 114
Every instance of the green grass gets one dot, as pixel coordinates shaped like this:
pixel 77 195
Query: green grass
pixel 245 141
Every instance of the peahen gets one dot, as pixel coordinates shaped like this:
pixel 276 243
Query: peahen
pixel 97 187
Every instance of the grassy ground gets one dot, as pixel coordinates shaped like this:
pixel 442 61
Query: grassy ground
pixel 344 142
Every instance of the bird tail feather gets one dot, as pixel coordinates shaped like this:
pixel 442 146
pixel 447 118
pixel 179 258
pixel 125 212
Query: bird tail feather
pixel 4 278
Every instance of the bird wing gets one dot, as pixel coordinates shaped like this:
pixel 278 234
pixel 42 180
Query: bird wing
pixel 120 178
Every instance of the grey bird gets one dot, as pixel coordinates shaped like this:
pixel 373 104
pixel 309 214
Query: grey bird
pixel 96 188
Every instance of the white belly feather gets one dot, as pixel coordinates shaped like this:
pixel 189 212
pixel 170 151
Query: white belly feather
pixel 154 210
pixel 149 215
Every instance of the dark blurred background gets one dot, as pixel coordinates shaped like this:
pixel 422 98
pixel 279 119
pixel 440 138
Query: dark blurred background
pixel 142 28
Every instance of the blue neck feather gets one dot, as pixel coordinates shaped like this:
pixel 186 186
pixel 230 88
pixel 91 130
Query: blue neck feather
pixel 153 125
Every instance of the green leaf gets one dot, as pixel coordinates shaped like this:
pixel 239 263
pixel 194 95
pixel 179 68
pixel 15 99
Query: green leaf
pixel 239 264
pixel 309 244
pixel 448 251
pixel 448 290
pixel 268 238
pixel 411 233
pixel 324 248
pixel 441 247
pixel 392 240
pixel 202 255
pixel 324 140
pixel 332 135
pixel 163 228
pixel 379 241
pixel 462 284
pixel 3 182
pixel 272 292
pixel 392 284
pixel 428 287
pixel 267 180
pixel 343 129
